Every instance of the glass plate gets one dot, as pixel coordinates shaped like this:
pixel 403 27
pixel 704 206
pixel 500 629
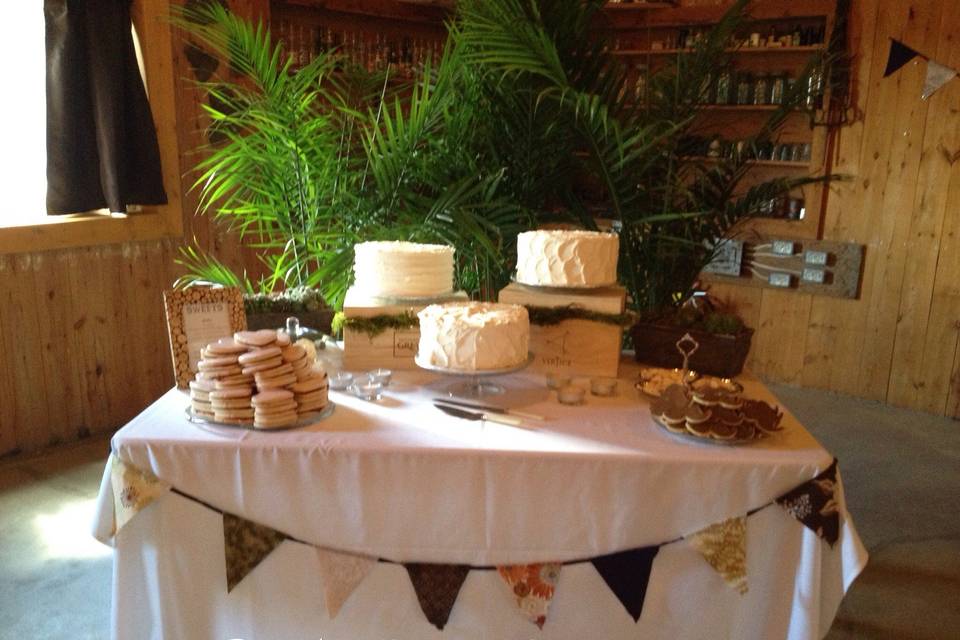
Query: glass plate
pixel 302 421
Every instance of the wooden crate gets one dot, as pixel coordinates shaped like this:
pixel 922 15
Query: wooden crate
pixel 577 347
pixel 391 349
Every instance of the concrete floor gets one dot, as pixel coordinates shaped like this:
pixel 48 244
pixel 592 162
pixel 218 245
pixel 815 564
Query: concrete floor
pixel 901 472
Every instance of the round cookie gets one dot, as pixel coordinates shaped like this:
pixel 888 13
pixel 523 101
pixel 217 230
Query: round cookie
pixel 302 364
pixel 294 353
pixel 202 385
pixel 233 381
pixel 259 355
pixel 263 365
pixel 225 347
pixel 260 338
pixel 230 403
pixel 310 384
pixel 275 421
pixel 277 382
pixel 283 339
pixel 275 372
pixel 234 413
pixel 202 396
pixel 219 372
pixel 231 392
pixel 216 362
pixel 266 398
pixel 280 407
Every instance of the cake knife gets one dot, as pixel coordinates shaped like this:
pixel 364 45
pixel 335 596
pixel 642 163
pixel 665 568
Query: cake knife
pixel 479 415
pixel 488 407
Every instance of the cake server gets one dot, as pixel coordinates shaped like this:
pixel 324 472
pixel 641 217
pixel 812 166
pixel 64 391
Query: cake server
pixel 479 415
pixel 489 408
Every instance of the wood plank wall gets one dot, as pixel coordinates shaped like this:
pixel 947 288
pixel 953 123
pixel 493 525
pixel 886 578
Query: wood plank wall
pixel 83 340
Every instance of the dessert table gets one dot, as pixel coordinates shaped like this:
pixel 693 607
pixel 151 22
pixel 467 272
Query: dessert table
pixel 399 481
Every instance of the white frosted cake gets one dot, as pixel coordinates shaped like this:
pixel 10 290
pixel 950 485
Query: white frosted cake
pixel 567 258
pixel 474 336
pixel 403 269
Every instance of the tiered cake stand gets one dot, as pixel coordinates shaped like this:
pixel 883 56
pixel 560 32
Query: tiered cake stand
pixel 474 384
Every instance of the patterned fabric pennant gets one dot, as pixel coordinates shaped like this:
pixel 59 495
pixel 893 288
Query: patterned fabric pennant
pixel 724 546
pixel 133 490
pixel 814 503
pixel 627 574
pixel 245 545
pixel 437 587
pixel 900 54
pixel 533 586
pixel 937 76
pixel 342 573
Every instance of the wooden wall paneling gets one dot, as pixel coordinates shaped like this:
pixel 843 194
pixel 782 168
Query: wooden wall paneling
pixel 835 334
pixel 942 190
pixel 8 392
pixel 778 346
pixel 22 344
pixel 52 299
pixel 903 123
pixel 909 372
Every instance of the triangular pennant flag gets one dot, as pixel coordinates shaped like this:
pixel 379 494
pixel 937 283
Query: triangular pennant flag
pixel 342 573
pixel 900 54
pixel 724 546
pixel 937 76
pixel 814 504
pixel 201 63
pixel 245 545
pixel 627 574
pixel 133 490
pixel 533 586
pixel 437 586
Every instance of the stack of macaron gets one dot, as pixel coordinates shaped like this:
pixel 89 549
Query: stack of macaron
pixel 257 377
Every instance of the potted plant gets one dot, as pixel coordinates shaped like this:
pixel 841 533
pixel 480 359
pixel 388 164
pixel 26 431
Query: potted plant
pixel 674 211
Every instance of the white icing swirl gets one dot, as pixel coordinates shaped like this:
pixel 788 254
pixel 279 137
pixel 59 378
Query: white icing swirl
pixel 403 269
pixel 567 258
pixel 474 336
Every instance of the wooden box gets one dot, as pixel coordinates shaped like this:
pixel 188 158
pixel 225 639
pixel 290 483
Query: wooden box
pixel 392 348
pixel 575 346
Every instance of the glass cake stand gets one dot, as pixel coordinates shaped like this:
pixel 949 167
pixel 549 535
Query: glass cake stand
pixel 475 384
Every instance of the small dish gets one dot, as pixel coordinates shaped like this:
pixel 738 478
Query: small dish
pixel 603 387
pixel 382 376
pixel 367 390
pixel 340 380
pixel 571 395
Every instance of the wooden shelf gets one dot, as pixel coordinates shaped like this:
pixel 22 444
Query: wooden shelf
pixel 638 6
pixel 782 164
pixel 630 53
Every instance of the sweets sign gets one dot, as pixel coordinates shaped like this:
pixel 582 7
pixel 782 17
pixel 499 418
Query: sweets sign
pixel 197 316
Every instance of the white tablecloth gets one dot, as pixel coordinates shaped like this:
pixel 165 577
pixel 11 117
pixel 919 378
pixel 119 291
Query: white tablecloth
pixel 399 480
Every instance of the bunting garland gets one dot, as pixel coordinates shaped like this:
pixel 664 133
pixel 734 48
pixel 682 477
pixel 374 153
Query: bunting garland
pixel 245 545
pixel 437 586
pixel 937 74
pixel 342 573
pixel 532 585
pixel 627 573
pixel 814 504
pixel 724 546
pixel 133 490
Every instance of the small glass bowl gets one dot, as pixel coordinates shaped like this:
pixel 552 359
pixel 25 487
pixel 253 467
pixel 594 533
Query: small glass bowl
pixel 367 390
pixel 571 395
pixel 558 380
pixel 340 380
pixel 382 376
pixel 603 386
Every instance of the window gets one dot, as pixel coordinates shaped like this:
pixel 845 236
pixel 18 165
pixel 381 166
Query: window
pixel 23 110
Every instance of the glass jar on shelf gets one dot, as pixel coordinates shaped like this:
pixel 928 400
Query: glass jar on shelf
pixel 761 89
pixel 724 88
pixel 777 87
pixel 744 88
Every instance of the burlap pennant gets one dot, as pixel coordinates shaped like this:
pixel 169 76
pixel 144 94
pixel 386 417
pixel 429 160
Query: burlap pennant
pixel 245 545
pixel 724 546
pixel 627 573
pixel 437 587
pixel 814 503
pixel 133 490
pixel 532 585
pixel 342 573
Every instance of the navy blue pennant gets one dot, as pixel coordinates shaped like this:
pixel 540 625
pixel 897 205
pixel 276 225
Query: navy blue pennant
pixel 900 54
pixel 627 573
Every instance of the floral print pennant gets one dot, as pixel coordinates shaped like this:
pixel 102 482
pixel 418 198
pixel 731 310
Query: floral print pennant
pixel 133 490
pixel 814 503
pixel 724 546
pixel 532 585
pixel 245 545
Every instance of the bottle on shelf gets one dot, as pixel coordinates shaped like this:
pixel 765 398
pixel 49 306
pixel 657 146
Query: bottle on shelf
pixel 777 86
pixel 761 89
pixel 724 88
pixel 744 88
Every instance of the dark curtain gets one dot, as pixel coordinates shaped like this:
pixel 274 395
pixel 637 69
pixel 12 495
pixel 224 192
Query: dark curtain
pixel 101 143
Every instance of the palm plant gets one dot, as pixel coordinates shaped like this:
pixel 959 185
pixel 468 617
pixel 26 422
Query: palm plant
pixel 674 212
pixel 318 158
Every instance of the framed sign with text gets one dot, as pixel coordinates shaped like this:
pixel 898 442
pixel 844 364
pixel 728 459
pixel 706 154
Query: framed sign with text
pixel 197 316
